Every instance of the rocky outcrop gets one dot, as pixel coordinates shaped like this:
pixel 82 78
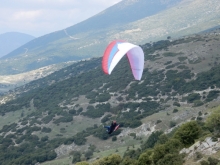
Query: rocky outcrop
pixel 206 147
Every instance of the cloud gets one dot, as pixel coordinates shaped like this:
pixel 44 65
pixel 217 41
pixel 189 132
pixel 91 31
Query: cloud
pixel 40 17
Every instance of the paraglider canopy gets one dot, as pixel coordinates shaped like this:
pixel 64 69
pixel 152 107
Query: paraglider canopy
pixel 116 50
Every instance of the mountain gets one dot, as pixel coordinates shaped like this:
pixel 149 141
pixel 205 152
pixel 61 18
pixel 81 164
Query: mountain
pixel 121 21
pixel 12 40
pixel 63 114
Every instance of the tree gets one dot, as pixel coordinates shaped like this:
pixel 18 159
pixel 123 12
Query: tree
pixel 146 157
pixel 187 133
pixel 213 121
pixel 76 156
pixel 151 141
pixel 129 161
pixel 162 139
pixel 159 152
pixel 134 154
pixel 203 162
pixel 213 161
pixel 171 148
pixel 171 159
pixel 88 154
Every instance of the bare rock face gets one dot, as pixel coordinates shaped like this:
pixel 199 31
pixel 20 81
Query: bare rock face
pixel 206 147
pixel 66 149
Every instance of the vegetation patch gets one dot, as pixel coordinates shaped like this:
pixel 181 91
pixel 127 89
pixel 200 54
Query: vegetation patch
pixel 181 59
pixel 171 54
pixel 212 95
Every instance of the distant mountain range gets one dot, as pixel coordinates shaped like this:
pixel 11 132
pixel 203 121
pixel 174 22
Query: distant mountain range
pixel 12 40
pixel 137 21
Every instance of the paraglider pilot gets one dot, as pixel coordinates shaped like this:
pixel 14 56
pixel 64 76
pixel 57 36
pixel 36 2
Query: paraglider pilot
pixel 114 126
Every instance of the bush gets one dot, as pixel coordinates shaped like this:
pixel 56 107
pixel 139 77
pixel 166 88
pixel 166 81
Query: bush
pixel 176 104
pixel 48 118
pixel 192 97
pixel 114 138
pixel 213 161
pixel 175 110
pixel 158 121
pixel 171 159
pixel 152 140
pixel 182 58
pixel 72 111
pixel 88 154
pixel 76 156
pixel 46 130
pixel 103 97
pixel 98 111
pixel 171 54
pixel 172 124
pixel 197 156
pixel 146 157
pixel 203 162
pixel 197 103
pixel 64 120
pixel 212 95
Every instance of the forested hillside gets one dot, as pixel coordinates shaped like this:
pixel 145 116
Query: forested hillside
pixel 71 105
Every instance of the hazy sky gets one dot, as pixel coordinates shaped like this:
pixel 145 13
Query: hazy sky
pixel 39 17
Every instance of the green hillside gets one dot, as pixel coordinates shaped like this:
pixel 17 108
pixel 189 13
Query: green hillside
pixel 64 113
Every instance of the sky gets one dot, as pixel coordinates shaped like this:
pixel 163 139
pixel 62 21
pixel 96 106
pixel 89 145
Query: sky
pixel 40 17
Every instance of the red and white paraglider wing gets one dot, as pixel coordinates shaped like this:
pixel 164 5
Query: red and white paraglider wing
pixel 116 50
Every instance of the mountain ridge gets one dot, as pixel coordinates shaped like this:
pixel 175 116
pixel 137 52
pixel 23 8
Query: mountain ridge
pixel 12 40
pixel 92 43
pixel 89 24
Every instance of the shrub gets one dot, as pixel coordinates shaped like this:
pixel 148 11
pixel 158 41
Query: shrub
pixel 203 162
pixel 175 110
pixel 114 138
pixel 212 95
pixel 213 161
pixel 193 96
pixel 176 104
pixel 197 103
pixel 172 124
pixel 46 130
